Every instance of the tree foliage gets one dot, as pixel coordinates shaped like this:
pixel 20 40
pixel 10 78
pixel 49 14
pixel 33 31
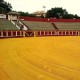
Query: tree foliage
pixel 59 13
pixel 23 13
pixel 56 12
pixel 26 14
pixel 5 7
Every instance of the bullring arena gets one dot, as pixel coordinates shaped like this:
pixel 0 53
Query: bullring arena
pixel 48 51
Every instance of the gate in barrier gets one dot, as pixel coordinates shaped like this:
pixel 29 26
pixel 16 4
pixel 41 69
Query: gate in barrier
pixel 29 33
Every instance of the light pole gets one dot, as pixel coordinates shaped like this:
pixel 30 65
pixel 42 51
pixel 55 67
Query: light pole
pixel 44 7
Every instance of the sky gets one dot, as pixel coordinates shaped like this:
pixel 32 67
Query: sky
pixel 72 6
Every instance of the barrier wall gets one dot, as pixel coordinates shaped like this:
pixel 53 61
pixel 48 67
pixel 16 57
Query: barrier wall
pixel 48 19
pixel 12 34
pixel 5 34
pixel 57 33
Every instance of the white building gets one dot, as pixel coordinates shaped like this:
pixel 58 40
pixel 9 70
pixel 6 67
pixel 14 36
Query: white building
pixel 13 15
pixel 39 13
pixel 2 16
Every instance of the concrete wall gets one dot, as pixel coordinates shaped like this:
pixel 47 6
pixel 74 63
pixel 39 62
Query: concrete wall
pixel 2 16
pixel 12 17
pixel 48 19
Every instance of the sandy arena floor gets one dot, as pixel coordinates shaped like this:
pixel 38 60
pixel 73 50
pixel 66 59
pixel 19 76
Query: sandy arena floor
pixel 40 58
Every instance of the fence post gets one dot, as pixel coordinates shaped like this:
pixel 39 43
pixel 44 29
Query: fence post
pixel 11 33
pixel 58 33
pixel 40 33
pixel 34 33
pixel 51 33
pixel 78 33
pixel 1 33
pixel 72 33
pixel 16 33
pixel 23 33
pixel 65 33
pixel 6 33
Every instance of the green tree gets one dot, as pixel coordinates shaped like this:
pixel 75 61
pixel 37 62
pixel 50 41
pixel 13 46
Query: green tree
pixel 76 16
pixel 56 12
pixel 5 7
pixel 60 13
pixel 68 16
pixel 26 14
pixel 1 10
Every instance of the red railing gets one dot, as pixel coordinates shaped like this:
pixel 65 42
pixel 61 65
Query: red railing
pixel 57 33
pixel 5 34
pixel 12 34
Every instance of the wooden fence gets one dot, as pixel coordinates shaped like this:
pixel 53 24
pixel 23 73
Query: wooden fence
pixel 12 34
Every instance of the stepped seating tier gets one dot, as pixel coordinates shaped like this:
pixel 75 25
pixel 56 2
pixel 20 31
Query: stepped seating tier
pixel 33 25
pixel 7 25
pixel 68 25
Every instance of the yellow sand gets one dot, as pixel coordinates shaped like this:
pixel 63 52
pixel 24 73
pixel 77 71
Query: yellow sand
pixel 40 58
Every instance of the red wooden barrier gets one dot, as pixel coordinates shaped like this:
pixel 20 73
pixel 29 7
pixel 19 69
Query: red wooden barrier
pixel 57 33
pixel 7 34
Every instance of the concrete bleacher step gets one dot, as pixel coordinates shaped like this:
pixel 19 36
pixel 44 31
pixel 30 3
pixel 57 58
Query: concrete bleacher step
pixel 7 25
pixel 15 24
pixel 68 25
pixel 33 25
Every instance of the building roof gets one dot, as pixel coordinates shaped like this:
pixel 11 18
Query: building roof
pixel 13 13
pixel 39 12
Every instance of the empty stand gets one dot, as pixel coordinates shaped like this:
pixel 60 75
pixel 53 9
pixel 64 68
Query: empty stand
pixel 68 25
pixel 32 25
pixel 7 25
